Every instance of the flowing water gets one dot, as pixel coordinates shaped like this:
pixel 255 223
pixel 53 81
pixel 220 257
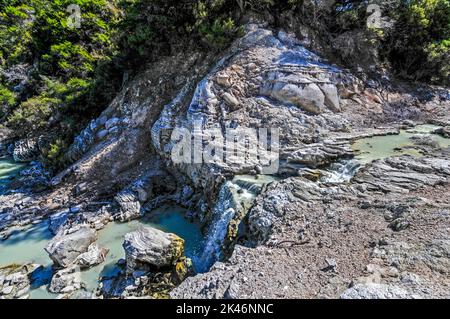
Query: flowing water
pixel 341 172
pixel 241 191
pixel 380 147
pixel 8 169
pixel 27 246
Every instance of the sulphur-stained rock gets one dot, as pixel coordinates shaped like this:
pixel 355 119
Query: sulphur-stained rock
pixel 182 270
pixel 150 247
pixel 95 255
pixel 69 244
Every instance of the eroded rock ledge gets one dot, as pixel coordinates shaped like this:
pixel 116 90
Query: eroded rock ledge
pixel 383 235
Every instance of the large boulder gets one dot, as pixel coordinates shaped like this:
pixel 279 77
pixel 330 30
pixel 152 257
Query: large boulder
pixel 306 96
pixel 149 247
pixel 68 245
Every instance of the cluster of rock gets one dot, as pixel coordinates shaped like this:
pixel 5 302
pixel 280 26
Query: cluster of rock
pixel 154 262
pixel 15 281
pixel 75 246
pixel 73 249
pixel 145 189
pixel 96 131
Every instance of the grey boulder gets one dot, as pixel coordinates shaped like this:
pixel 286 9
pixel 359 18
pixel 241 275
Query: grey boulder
pixel 68 245
pixel 151 247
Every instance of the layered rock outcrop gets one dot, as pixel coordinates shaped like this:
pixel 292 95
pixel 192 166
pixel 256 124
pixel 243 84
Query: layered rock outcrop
pixel 350 240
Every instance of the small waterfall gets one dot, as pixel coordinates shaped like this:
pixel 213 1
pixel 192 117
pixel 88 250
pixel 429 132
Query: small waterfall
pixel 341 172
pixel 234 195
pixel 249 186
pixel 222 214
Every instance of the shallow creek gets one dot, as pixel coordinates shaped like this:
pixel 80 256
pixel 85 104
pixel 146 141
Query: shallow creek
pixel 369 149
pixel 27 246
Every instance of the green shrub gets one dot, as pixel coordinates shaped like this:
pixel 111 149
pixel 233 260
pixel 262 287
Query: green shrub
pixel 33 114
pixel 418 45
pixel 63 62
pixel 53 154
pixel 220 33
pixel 7 101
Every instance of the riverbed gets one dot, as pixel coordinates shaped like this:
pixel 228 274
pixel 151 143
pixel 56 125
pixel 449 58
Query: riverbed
pixel 27 245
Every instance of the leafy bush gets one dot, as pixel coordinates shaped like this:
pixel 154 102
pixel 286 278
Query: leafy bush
pixel 53 154
pixel 7 101
pixel 33 114
pixel 220 33
pixel 418 45
pixel 62 62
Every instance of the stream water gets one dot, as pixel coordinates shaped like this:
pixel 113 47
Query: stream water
pixel 240 192
pixel 379 147
pixel 369 149
pixel 8 169
pixel 27 246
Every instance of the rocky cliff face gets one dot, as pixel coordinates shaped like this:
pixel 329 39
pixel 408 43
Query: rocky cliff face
pixel 383 234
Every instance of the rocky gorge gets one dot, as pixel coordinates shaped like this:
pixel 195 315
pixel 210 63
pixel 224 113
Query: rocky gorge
pixel 357 209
